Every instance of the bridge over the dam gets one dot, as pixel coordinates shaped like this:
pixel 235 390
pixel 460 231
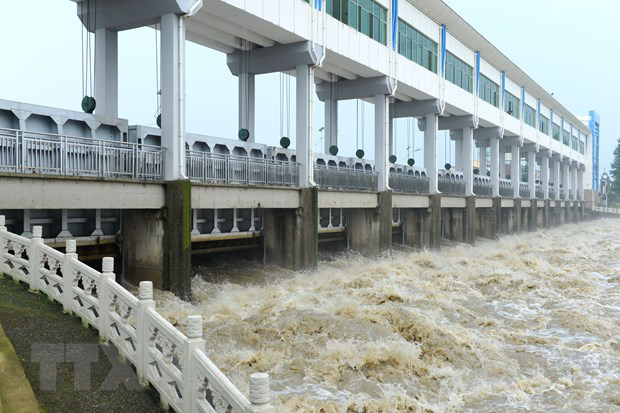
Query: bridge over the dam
pixel 156 196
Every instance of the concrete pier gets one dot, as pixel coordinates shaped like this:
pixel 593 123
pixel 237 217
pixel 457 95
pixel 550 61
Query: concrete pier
pixel 143 246
pixel 370 230
pixel 178 238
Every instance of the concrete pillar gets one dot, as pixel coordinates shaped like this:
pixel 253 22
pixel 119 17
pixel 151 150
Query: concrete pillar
pixel 331 123
pixel 544 175
pixel 495 166
pixel 416 227
pixel 486 221
pixel 532 219
pixel 531 173
pixel 502 163
pixel 247 104
pixel 178 239
pixel 497 209
pixel 382 143
pixel 468 160
pixel 483 160
pixel 106 72
pixel 516 216
pixel 565 178
pixel 64 225
pixel 546 214
pixel 580 192
pixel 370 230
pixel 435 220
pixel 573 181
pixel 291 235
pixel 430 152
pixel 556 177
pixel 305 103
pixel 458 155
pixel 515 170
pixel 143 246
pixel 171 93
pixel 469 227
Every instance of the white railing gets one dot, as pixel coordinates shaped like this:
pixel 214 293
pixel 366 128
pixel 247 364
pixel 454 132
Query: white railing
pixel 51 154
pixel 607 210
pixel 172 362
pixel 345 178
pixel 245 170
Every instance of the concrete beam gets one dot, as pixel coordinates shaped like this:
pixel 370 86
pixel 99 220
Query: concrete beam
pixel 452 122
pixel 356 89
pixel 45 192
pixel 410 201
pixel 278 58
pixel 219 197
pixel 342 199
pixel 415 108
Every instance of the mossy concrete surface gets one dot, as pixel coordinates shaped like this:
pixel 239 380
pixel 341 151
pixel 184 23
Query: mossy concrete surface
pixel 31 322
pixel 16 395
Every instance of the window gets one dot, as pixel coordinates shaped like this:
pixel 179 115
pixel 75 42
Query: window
pixel 556 132
pixel 365 16
pixel 575 144
pixel 529 116
pixel 582 147
pixel 511 105
pixel 489 91
pixel 417 47
pixel 566 137
pixel 543 125
pixel 459 72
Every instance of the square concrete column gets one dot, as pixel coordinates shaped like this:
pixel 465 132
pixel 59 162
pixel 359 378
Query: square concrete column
pixel 106 72
pixel 495 165
pixel 580 194
pixel 483 160
pixel 247 102
pixel 515 170
pixel 171 94
pixel 544 175
pixel 502 163
pixel 573 180
pixel 458 155
pixel 531 173
pixel 331 124
pixel 430 152
pixel 468 160
pixel 382 143
pixel 305 103
pixel 555 171
pixel 565 178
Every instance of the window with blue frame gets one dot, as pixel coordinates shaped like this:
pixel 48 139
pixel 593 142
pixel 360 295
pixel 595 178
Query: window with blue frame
pixel 543 125
pixel 489 91
pixel 529 116
pixel 366 16
pixel 582 147
pixel 512 105
pixel 417 47
pixel 565 137
pixel 556 132
pixel 575 144
pixel 459 72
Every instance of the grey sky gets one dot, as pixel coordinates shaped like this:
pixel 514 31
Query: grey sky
pixel 566 46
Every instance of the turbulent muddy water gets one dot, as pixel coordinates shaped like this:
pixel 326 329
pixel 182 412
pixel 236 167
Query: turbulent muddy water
pixel 530 322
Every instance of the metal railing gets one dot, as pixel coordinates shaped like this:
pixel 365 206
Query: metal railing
pixel 524 190
pixel 505 188
pixel 561 194
pixel 52 154
pixel 451 187
pixel 539 192
pixel 241 170
pixel 345 178
pixel 551 193
pixel 483 186
pixel 409 183
pixel 174 363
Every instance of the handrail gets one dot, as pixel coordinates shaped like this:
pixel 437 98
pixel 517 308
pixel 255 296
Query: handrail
pixel 186 379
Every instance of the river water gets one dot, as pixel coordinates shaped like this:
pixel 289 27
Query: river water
pixel 529 322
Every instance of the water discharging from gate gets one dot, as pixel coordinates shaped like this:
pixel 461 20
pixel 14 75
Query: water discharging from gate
pixel 530 322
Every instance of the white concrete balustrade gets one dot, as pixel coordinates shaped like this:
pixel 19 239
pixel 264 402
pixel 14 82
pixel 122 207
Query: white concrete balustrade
pixel 172 362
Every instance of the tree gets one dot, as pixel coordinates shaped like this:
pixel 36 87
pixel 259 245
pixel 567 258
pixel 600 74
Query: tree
pixel 614 190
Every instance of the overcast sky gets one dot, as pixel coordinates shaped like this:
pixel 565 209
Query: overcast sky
pixel 568 46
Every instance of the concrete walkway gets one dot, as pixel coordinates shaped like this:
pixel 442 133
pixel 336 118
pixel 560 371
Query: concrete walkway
pixel 86 375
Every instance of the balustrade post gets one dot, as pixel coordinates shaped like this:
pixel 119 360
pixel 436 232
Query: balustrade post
pixel 193 343
pixel 24 152
pixel 107 276
pixel 135 161
pixel 33 257
pixel 2 239
pixel 101 158
pixel 67 274
pixel 227 168
pixel 145 296
pixel 247 170
pixel 260 393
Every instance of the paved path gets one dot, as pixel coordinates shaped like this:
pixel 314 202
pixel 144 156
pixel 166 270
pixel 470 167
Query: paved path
pixel 88 377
